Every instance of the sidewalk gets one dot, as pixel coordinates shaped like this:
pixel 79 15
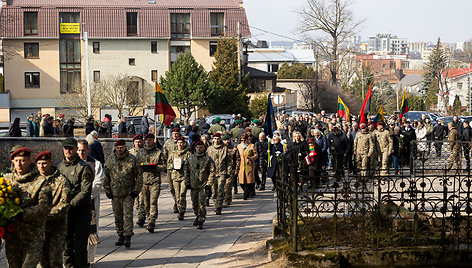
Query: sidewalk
pixel 178 243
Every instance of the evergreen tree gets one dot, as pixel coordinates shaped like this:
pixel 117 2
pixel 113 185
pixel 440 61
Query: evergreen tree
pixel 187 85
pixel 231 95
pixel 259 105
pixel 457 105
pixel 295 71
pixel 437 62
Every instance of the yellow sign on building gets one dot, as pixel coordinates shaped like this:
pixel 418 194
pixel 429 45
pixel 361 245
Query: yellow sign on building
pixel 70 28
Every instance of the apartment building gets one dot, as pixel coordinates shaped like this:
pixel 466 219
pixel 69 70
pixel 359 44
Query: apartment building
pixel 44 46
pixel 388 44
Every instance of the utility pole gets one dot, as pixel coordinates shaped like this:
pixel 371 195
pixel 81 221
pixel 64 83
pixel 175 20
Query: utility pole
pixel 239 52
pixel 398 91
pixel 87 74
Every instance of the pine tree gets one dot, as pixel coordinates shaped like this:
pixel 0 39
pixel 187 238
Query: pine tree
pixel 231 96
pixel 187 85
pixel 457 105
pixel 437 62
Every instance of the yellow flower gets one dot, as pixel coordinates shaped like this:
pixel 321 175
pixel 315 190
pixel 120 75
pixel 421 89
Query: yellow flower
pixel 1 193
pixel 2 180
pixel 2 201
pixel 17 201
pixel 6 195
pixel 9 189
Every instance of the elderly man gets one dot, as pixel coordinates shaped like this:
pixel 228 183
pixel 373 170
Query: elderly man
pixel 24 249
pixel 80 176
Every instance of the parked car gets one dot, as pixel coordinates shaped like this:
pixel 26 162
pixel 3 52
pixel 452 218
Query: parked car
pixel 225 119
pixel 446 119
pixel 417 115
pixel 137 124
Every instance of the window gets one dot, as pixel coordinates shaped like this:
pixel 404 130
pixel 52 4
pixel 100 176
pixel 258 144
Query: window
pixel 96 76
pixel 273 68
pixel 213 47
pixel 69 58
pixel 96 47
pixel 153 75
pixel 153 47
pixel 180 25
pixel 32 79
pixel 217 24
pixel 69 17
pixel 459 86
pixel 30 23
pixel 31 50
pixel 175 52
pixel 132 23
pixel 132 61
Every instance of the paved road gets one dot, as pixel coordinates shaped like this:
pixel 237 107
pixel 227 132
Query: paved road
pixel 178 243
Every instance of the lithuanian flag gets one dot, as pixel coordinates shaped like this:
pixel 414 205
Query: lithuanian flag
pixel 343 111
pixel 162 106
pixel 404 108
pixel 379 118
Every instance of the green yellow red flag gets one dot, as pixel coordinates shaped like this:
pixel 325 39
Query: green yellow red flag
pixel 162 106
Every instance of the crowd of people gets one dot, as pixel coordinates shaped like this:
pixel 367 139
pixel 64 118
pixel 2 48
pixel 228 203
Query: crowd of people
pixel 61 202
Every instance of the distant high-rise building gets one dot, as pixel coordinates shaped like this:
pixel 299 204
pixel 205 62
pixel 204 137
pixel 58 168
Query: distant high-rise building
pixel 388 43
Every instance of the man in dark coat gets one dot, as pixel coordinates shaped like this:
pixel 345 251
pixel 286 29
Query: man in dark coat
pixel 466 137
pixel 15 130
pixel 261 163
pixel 69 128
pixel 408 136
pixel 339 147
pixel 122 130
pixel 145 124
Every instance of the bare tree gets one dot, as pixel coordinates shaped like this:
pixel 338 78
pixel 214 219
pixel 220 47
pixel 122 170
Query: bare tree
pixel 311 91
pixel 335 19
pixel 74 103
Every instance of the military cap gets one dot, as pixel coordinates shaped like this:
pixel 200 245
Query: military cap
pixel 199 143
pixel 138 137
pixel 237 122
pixel 69 142
pixel 120 142
pixel 217 135
pixel 45 155
pixel 23 151
pixel 380 124
pixel 225 137
pixel 362 126
pixel 176 129
pixel 149 136
pixel 217 120
pixel 180 139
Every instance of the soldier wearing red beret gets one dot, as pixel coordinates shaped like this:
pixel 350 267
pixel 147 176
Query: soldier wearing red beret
pixel 137 144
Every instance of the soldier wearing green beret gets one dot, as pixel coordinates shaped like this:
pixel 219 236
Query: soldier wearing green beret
pixel 217 127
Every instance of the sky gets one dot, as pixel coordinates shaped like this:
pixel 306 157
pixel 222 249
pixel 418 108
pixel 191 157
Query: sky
pixel 417 20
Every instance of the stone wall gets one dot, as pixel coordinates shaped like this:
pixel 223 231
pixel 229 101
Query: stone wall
pixel 51 144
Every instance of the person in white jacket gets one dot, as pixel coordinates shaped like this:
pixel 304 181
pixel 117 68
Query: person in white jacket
pixel 97 185
pixel 421 136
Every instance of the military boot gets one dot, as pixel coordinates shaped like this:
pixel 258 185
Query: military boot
pixel 140 223
pixel 218 211
pixel 226 204
pixel 207 202
pixel 195 222
pixel 127 242
pixel 150 227
pixel 176 210
pixel 121 240
pixel 181 216
pixel 200 225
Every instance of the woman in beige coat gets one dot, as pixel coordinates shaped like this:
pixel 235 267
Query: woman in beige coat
pixel 246 157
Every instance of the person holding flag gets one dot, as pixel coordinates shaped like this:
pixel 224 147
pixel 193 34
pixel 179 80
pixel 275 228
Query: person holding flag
pixel 343 111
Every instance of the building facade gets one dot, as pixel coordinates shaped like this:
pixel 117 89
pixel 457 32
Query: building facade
pixel 388 44
pixel 44 43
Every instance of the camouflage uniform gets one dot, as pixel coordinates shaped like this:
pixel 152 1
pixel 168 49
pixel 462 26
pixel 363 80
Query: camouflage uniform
pixel 385 147
pixel 169 146
pixel 23 247
pixel 152 163
pixel 178 177
pixel 123 179
pixel 220 155
pixel 364 148
pixel 216 128
pixel 376 151
pixel 80 175
pixel 134 151
pixel 197 169
pixel 137 201
pixel 56 224
pixel 454 157
pixel 232 150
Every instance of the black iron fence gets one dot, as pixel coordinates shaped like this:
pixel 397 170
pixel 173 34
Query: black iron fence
pixel 427 202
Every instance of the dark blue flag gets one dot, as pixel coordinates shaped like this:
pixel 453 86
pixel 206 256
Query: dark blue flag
pixel 270 124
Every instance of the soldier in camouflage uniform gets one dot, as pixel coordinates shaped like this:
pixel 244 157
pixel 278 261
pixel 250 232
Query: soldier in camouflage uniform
pixel 23 247
pixel 137 145
pixel 220 155
pixel 80 176
pixel 169 146
pixel 455 147
pixel 56 224
pixel 122 184
pixel 375 153
pixel 197 169
pixel 178 158
pixel 363 149
pixel 385 142
pixel 232 150
pixel 152 164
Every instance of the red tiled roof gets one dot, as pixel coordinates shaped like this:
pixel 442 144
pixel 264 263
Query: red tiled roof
pixel 127 3
pixel 453 73
pixel 110 21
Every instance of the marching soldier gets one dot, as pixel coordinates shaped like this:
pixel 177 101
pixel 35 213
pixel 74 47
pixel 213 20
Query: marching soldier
pixel 385 142
pixel 23 247
pixel 56 223
pixel 232 150
pixel 178 158
pixel 235 133
pixel 152 163
pixel 137 144
pixel 80 176
pixel 220 155
pixel 197 169
pixel 363 149
pixel 454 145
pixel 217 127
pixel 167 149
pixel 123 182
pixel 375 153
